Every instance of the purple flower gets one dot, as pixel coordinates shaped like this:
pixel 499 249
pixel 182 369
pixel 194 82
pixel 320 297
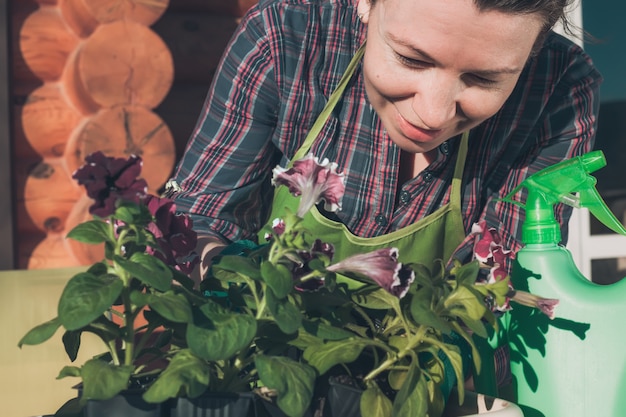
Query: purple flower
pixel 488 244
pixel 489 251
pixel 314 182
pixel 302 269
pixel 108 179
pixel 278 228
pixel 546 305
pixel 175 236
pixel 380 266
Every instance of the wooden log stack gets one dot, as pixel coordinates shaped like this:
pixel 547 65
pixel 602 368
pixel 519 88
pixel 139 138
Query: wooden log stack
pixel 87 75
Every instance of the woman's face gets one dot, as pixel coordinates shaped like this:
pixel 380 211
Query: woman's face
pixel 435 68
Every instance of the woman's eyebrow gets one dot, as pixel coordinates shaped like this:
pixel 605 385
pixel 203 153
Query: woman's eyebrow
pixel 486 73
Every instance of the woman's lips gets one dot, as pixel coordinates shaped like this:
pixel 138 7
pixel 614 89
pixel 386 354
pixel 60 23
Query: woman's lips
pixel 415 133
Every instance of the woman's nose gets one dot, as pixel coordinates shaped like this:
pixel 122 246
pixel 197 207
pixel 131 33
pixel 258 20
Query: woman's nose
pixel 435 102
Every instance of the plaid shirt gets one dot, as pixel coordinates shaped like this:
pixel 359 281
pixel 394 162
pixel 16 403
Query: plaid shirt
pixel 282 64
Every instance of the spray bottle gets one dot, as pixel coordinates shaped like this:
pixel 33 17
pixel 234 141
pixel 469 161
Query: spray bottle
pixel 575 364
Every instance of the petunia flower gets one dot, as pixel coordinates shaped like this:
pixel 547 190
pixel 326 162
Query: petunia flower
pixel 488 244
pixel 108 179
pixel 313 181
pixel 380 266
pixel 173 231
pixel 489 251
pixel 301 268
pixel 278 228
pixel 546 305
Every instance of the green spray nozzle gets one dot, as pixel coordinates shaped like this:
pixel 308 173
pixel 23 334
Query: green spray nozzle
pixel 567 182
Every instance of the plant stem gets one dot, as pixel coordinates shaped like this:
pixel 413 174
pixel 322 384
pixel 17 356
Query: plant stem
pixel 365 317
pixel 129 334
pixel 392 359
pixel 113 349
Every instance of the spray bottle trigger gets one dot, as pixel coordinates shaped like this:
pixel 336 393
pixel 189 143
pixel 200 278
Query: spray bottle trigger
pixel 591 199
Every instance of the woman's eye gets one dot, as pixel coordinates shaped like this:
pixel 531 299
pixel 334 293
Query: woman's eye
pixel 482 81
pixel 412 62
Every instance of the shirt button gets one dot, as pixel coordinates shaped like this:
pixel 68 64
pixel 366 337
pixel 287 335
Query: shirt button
pixel 405 197
pixel 381 220
pixel 444 148
pixel 428 176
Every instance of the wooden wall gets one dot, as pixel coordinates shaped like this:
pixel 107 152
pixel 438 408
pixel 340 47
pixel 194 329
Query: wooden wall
pixel 121 76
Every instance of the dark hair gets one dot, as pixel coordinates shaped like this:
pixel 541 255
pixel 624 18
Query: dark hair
pixel 552 11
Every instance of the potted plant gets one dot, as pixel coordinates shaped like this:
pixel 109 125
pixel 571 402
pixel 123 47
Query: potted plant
pixel 129 299
pixel 275 321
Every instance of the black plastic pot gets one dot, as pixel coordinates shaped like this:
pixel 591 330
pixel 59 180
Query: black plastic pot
pixel 216 405
pixel 338 400
pixel 128 404
pixel 132 405
pixel 342 400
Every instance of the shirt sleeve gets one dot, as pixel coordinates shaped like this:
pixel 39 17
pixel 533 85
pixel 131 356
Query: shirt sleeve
pixel 222 180
pixel 564 128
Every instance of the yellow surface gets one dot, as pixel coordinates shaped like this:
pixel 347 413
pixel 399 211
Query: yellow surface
pixel 28 384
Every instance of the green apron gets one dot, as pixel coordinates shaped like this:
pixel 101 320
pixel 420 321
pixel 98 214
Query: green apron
pixel 436 236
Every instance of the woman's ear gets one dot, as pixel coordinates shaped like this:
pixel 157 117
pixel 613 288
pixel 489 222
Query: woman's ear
pixel 363 10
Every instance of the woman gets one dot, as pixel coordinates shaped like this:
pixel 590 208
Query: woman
pixel 431 71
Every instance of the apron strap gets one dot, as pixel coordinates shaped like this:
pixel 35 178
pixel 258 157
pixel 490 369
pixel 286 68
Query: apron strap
pixel 330 105
pixel 455 192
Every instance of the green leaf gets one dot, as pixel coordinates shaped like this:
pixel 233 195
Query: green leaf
pixel 287 316
pixel 186 375
pixel 102 380
pixel 86 297
pixel 498 290
pixel 71 342
pixel 104 328
pixel 235 265
pixel 183 279
pixel 99 268
pixel 466 305
pixel 131 213
pixel 173 307
pixel 375 298
pixel 454 356
pixel 40 333
pixel 92 232
pixel 467 273
pixel 217 336
pixel 325 331
pixel 294 382
pixel 325 356
pixel 374 403
pixel 73 371
pixel 139 298
pixel 412 399
pixel 148 269
pixel 423 313
pixel 396 378
pixel 476 355
pixel 278 278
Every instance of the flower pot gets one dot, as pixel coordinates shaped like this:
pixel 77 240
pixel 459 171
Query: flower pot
pixel 216 405
pixel 127 404
pixel 342 400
